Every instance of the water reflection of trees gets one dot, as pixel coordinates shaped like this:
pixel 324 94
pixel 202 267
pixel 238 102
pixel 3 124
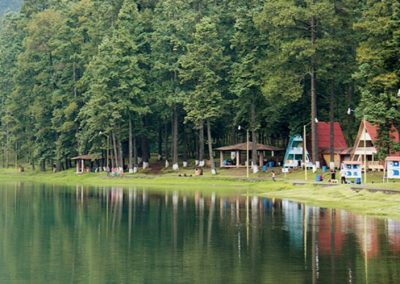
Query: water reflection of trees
pixel 125 235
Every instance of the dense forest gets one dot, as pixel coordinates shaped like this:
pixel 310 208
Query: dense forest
pixel 176 77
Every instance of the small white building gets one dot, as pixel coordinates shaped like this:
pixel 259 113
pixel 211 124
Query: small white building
pixel 392 168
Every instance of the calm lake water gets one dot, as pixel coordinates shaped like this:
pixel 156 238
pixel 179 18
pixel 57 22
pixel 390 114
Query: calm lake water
pixel 114 235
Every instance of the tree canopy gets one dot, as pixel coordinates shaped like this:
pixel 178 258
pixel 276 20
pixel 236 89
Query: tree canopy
pixel 126 78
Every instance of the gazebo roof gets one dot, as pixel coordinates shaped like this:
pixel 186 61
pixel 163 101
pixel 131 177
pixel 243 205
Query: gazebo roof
pixel 86 157
pixel 243 147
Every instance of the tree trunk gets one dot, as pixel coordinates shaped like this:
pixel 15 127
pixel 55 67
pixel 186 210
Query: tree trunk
pixel 166 145
pixel 6 149
pixel 108 153
pixel 201 144
pixel 175 165
pixel 185 149
pixel 314 142
pixel 43 166
pixel 115 150
pixel 112 156
pixel 4 156
pixel 331 126
pixel 160 141
pixel 135 155
pixel 58 165
pixel 74 78
pixel 210 150
pixel 130 162
pixel 121 154
pixel 196 146
pixel 16 155
pixel 145 153
pixel 254 156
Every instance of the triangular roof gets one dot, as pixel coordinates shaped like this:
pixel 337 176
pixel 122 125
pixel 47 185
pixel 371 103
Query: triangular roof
pixel 373 129
pixel 323 136
pixel 243 147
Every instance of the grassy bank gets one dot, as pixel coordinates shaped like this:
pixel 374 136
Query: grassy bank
pixel 167 181
pixel 230 181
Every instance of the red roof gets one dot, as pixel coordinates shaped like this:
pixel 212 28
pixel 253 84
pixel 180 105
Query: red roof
pixel 323 132
pixel 393 158
pixel 372 130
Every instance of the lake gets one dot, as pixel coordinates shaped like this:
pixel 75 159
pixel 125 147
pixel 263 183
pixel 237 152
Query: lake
pixel 52 234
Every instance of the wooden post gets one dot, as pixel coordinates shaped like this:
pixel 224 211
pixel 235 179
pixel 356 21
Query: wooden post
pixel 237 159
pixel 77 166
pixel 338 159
pixel 261 159
pixel 83 165
pixel 221 159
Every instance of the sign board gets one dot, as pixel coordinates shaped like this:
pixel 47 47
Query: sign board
pixel 352 170
pixel 285 170
pixel 393 169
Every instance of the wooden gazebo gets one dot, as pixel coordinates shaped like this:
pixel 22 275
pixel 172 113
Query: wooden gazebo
pixel 237 149
pixel 80 162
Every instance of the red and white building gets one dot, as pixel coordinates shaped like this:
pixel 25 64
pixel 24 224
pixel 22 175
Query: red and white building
pixel 365 145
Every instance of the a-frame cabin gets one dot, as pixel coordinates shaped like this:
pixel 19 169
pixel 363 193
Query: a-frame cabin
pixel 365 145
pixel 339 143
pixel 294 156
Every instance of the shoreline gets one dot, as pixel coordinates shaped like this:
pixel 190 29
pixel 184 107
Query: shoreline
pixel 364 202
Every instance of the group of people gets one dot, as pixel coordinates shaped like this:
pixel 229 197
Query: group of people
pixel 342 176
pixel 115 172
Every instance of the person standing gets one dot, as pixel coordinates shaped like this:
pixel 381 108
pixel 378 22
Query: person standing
pixel 343 176
pixel 333 174
pixel 273 175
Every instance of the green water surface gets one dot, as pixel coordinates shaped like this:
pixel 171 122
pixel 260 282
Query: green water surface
pixel 114 235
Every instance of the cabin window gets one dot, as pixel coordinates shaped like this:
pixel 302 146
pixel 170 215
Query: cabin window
pixel 299 157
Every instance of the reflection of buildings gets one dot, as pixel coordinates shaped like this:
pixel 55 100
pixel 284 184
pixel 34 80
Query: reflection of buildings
pixel 293 216
pixel 393 230
pixel 254 220
pixel 366 230
pixel 330 235
pixel 242 237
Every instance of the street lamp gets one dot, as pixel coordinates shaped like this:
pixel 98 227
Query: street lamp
pixel 247 150
pixel 305 148
pixel 349 111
